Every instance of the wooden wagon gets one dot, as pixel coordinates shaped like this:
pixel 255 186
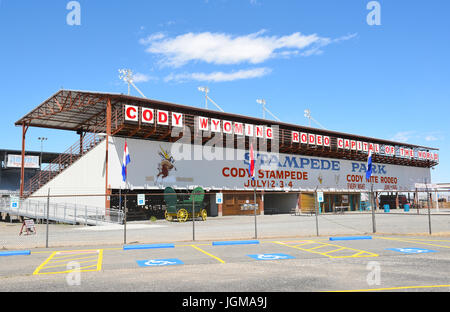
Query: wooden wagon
pixel 181 209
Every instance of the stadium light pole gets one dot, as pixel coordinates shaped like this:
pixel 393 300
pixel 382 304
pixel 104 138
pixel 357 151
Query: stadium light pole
pixel 263 103
pixel 42 139
pixel 308 115
pixel 127 76
pixel 206 90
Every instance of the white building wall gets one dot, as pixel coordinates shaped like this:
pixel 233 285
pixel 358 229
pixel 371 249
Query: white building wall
pixel 86 176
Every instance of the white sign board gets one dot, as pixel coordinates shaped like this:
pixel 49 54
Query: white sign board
pixel 219 198
pixel 320 197
pixel 15 161
pixel 157 165
pixel 29 224
pixel 14 202
pixel 141 199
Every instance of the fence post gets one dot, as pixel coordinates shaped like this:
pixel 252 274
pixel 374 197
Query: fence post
pixel 48 212
pixel 65 208
pixel 416 199
pixel 193 217
pixel 125 221
pixel 75 217
pixel 85 215
pixel 373 204
pixel 254 211
pixel 315 208
pixel 437 201
pixel 96 215
pixel 429 213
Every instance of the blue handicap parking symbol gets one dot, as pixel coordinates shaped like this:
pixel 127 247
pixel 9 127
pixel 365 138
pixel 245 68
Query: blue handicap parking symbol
pixel 275 256
pixel 412 250
pixel 158 262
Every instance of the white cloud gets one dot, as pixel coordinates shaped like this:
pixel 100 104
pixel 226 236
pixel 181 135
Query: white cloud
pixel 152 37
pixel 219 76
pixel 407 136
pixel 431 138
pixel 138 77
pixel 403 136
pixel 226 49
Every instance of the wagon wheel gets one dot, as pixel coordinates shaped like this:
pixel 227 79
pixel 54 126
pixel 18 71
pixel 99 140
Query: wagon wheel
pixel 167 216
pixel 203 214
pixel 182 215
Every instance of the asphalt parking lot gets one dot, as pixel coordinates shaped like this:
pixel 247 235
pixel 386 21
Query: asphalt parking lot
pixel 381 263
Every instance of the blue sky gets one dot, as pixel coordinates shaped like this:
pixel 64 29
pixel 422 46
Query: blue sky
pixel 389 81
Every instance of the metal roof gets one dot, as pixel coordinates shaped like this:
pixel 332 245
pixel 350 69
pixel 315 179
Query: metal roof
pixel 86 111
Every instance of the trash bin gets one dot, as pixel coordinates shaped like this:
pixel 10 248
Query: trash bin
pixel 406 207
pixel 386 208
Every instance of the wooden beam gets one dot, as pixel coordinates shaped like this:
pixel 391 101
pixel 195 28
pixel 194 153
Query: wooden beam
pixel 169 131
pixel 150 133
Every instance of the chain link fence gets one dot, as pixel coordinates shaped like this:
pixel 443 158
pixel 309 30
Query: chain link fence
pixel 150 216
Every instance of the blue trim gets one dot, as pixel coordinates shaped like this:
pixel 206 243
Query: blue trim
pixel 15 253
pixel 150 246
pixel 350 238
pixel 246 242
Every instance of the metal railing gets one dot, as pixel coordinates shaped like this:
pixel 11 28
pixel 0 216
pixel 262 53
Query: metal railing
pixel 65 213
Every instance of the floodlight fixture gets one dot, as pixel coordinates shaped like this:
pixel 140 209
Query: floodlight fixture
pixel 308 115
pixel 206 90
pixel 127 76
pixel 263 103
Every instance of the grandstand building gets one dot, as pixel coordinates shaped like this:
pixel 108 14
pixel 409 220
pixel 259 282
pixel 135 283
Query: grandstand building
pixel 183 147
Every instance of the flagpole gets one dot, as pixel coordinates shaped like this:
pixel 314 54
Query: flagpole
pixel 374 227
pixel 254 198
pixel 125 205
pixel 252 175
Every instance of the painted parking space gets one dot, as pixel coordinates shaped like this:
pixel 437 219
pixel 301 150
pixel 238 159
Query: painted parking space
pixel 383 245
pixel 130 258
pixel 411 250
pixel 417 242
pixel 66 261
pixel 159 262
pixel 274 256
pixel 239 252
pixel 21 264
pixel 206 253
pixel 329 250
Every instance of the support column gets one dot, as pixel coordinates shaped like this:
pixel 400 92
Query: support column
pixel 22 166
pixel 80 132
pixel 108 134
pixel 261 204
